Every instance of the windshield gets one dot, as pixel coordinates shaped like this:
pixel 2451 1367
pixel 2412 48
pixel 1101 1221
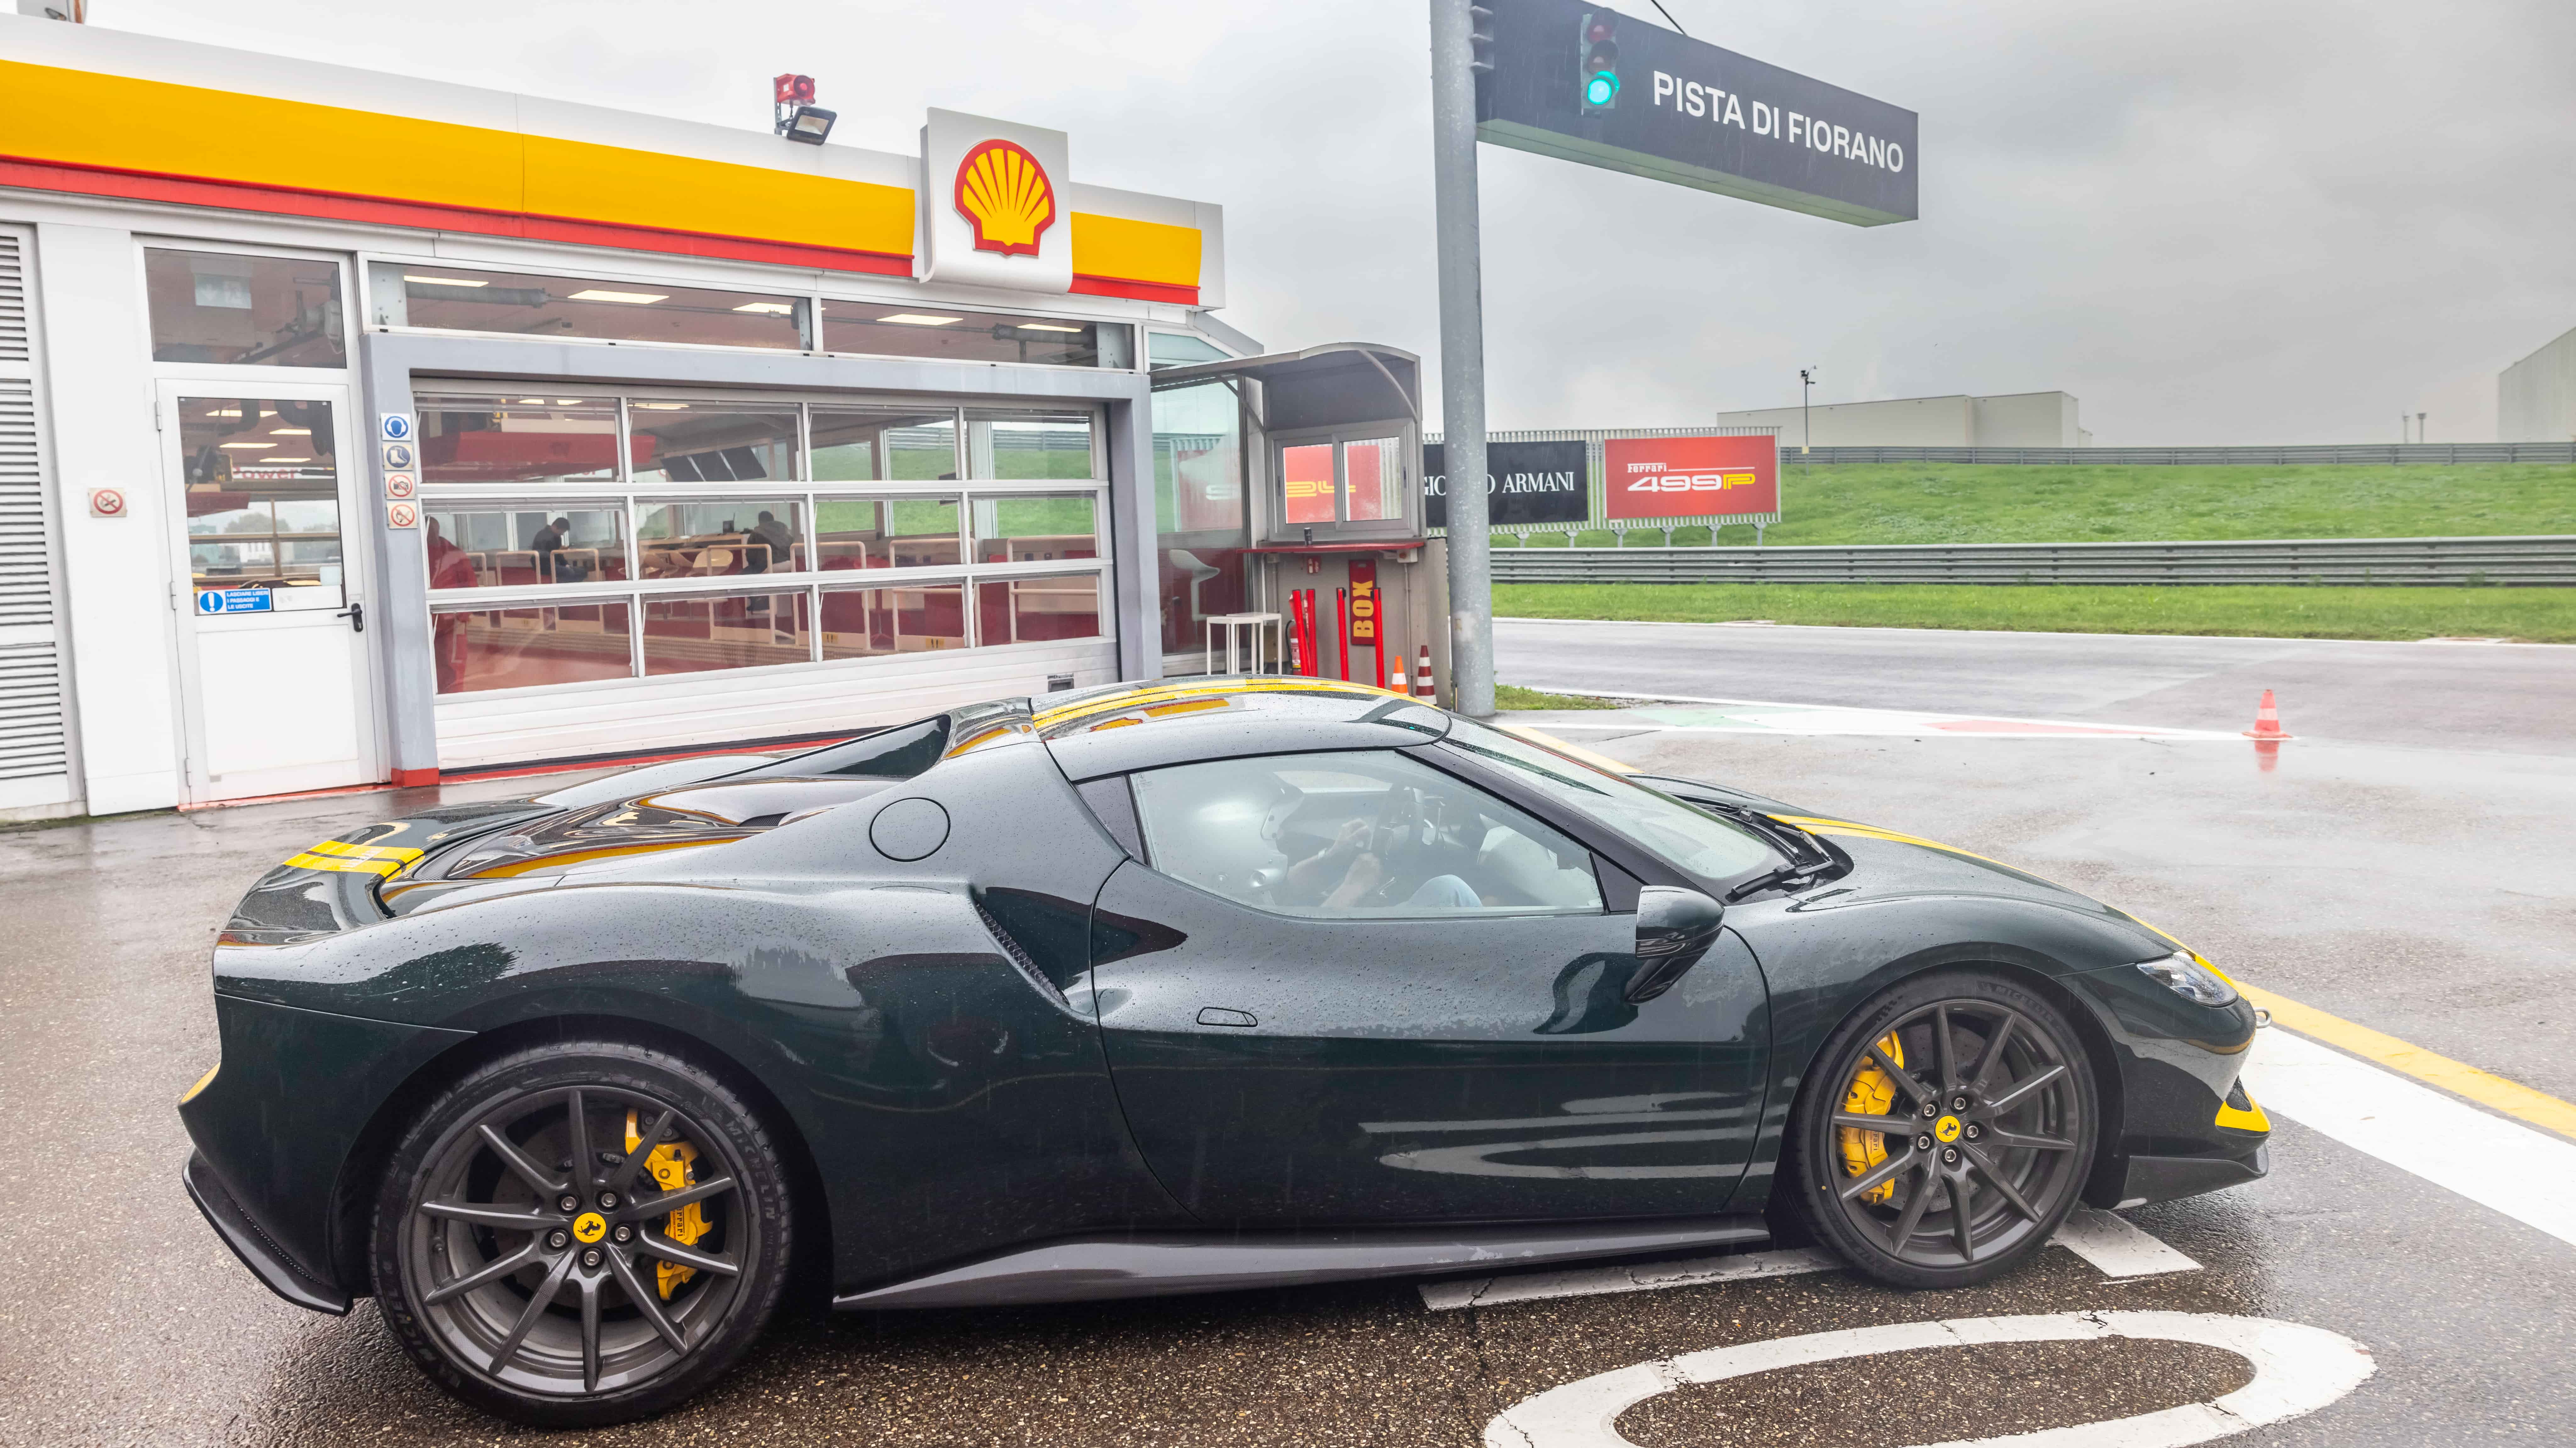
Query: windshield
pixel 1699 842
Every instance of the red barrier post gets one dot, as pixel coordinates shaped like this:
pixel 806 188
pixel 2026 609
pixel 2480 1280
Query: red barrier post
pixel 1342 628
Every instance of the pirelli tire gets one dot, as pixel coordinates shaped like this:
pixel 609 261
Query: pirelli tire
pixel 581 1233
pixel 1945 1132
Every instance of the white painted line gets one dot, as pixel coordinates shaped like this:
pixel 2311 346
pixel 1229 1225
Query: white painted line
pixel 1773 716
pixel 2118 1247
pixel 2115 1246
pixel 2525 1174
pixel 2297 1370
pixel 1633 1277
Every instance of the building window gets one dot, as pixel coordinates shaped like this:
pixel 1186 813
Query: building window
pixel 262 490
pixel 1179 349
pixel 715 534
pixel 1200 529
pixel 525 545
pixel 909 329
pixel 460 299
pixel 710 442
pixel 544 439
pixel 530 647
pixel 1332 483
pixel 243 311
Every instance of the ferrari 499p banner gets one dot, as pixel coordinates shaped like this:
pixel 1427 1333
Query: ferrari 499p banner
pixel 1689 477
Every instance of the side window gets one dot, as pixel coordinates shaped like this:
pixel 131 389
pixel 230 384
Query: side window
pixel 1361 835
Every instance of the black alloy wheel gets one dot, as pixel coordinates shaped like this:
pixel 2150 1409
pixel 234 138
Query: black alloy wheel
pixel 1947 1130
pixel 581 1233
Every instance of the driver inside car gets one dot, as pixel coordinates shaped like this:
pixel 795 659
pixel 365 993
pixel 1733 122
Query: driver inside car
pixel 1352 871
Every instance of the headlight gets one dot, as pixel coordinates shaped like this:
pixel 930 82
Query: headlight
pixel 2190 979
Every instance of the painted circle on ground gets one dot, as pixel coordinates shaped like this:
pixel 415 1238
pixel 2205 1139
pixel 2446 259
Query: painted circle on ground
pixel 909 829
pixel 2297 1370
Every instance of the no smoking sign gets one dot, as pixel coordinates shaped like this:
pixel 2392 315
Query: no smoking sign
pixel 107 502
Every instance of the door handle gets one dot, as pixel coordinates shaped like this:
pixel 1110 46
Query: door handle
pixel 356 614
pixel 1220 1016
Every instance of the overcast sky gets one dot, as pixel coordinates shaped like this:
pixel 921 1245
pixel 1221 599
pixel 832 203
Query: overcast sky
pixel 2212 221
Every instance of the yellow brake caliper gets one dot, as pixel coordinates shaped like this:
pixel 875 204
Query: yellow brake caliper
pixel 1870 1095
pixel 669 1165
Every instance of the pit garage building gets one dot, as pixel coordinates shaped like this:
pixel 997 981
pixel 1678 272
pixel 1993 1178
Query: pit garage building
pixel 356 428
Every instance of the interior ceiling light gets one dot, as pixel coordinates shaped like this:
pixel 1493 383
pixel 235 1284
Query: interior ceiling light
pixel 532 402
pixel 286 460
pixel 567 402
pixel 775 309
pixel 225 412
pixel 597 294
pixel 1045 327
pixel 250 444
pixel 920 319
pixel 443 281
pixel 660 406
pixel 290 432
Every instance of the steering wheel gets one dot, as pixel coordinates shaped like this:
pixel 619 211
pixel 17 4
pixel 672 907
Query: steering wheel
pixel 1396 816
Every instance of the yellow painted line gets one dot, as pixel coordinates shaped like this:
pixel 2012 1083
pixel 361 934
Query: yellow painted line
pixel 2514 1099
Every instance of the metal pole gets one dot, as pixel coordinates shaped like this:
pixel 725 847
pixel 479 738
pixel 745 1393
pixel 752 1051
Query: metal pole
pixel 1462 357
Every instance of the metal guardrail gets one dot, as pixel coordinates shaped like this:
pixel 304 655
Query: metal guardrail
pixel 2382 454
pixel 2542 561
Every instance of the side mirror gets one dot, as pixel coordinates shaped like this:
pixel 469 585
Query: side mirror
pixel 1674 929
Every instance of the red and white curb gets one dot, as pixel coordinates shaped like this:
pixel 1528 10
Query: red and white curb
pixel 2297 1370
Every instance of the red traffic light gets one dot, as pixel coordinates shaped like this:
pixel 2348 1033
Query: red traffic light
pixel 1602 28
pixel 793 89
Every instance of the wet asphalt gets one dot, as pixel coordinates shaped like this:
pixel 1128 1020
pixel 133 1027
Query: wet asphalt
pixel 2426 891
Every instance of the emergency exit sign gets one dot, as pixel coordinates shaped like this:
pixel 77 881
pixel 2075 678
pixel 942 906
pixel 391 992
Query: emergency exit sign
pixel 1585 83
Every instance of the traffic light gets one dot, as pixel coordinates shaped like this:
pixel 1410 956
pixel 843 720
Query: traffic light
pixel 1597 43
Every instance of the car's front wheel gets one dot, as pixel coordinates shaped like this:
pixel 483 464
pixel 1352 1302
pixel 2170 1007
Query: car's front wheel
pixel 581 1233
pixel 1946 1131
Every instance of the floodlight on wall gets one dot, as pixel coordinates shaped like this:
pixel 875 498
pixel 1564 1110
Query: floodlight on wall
pixel 793 113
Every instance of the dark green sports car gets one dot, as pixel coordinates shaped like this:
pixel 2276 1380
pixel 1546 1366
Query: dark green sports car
pixel 1152 989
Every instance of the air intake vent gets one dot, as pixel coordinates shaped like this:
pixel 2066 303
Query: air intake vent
pixel 13 300
pixel 1019 954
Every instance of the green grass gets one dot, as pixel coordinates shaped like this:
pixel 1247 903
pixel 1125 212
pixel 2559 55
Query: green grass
pixel 2544 615
pixel 2007 503
pixel 1513 696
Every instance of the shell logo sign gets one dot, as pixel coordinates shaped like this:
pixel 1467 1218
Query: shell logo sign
pixel 1007 196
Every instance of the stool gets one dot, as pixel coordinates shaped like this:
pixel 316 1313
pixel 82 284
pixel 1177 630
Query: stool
pixel 1234 622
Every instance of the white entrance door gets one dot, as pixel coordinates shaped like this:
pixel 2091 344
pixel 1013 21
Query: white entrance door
pixel 273 662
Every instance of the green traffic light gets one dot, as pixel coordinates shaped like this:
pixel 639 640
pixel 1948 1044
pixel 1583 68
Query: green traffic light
pixel 1601 89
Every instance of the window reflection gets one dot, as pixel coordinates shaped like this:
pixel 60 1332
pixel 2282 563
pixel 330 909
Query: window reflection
pixel 1306 473
pixel 902 329
pixel 699 632
pixel 519 648
pixel 262 496
pixel 1373 477
pixel 547 438
pixel 1026 610
pixel 865 622
pixel 887 532
pixel 511 546
pixel 243 311
pixel 860 444
pixel 1199 523
pixel 1015 445
pixel 710 442
pixel 1035 529
pixel 710 539
pixel 422 294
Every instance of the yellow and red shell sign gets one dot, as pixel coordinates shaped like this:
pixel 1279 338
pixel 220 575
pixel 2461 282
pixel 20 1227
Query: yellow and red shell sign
pixel 1008 197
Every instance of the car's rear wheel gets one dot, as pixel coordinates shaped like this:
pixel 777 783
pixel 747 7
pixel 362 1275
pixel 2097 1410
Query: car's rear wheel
pixel 1946 1131
pixel 581 1233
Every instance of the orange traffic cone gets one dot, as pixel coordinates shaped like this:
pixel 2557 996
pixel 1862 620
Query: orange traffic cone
pixel 1423 688
pixel 2267 721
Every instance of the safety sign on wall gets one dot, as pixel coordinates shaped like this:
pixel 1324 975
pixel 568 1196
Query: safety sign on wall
pixel 235 600
pixel 106 503
pixel 1690 477
pixel 402 514
pixel 394 426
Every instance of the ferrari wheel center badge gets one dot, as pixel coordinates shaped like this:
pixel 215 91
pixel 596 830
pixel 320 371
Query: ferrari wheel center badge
pixel 590 1226
pixel 1947 1128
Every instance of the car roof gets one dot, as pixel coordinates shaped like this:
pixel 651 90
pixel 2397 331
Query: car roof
pixel 1127 727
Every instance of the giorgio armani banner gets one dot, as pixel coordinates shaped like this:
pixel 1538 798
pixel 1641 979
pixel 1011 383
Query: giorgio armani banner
pixel 1525 483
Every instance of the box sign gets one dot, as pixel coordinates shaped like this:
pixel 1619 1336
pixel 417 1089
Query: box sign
pixel 1525 483
pixel 994 209
pixel 1364 604
pixel 1585 83
pixel 1690 477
